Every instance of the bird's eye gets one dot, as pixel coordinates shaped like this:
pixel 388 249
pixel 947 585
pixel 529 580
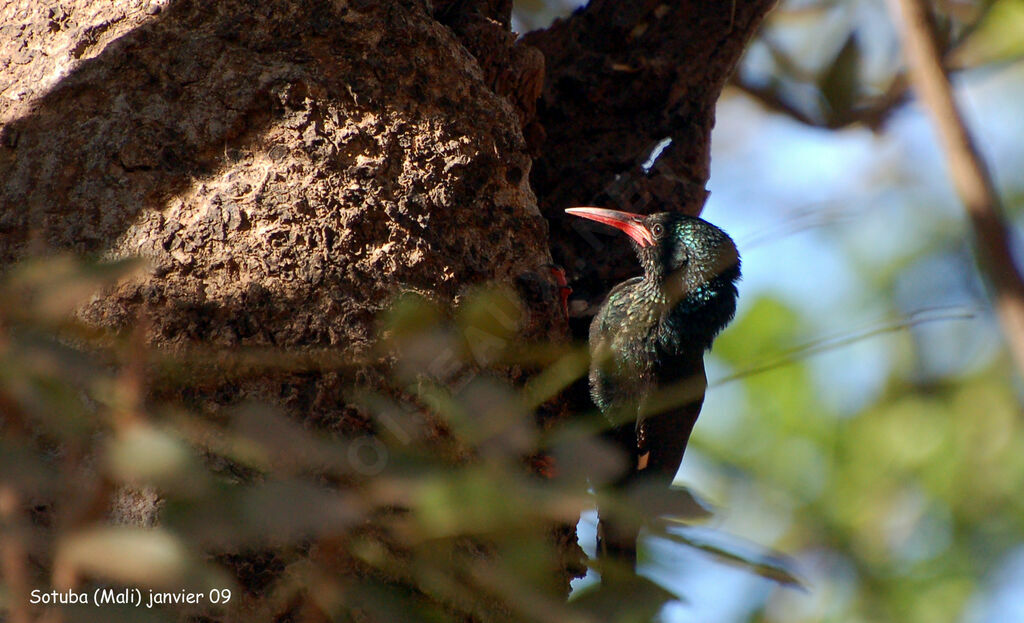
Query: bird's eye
pixel 657 230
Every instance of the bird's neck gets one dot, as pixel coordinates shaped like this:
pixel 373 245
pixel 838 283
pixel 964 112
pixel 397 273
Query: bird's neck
pixel 687 320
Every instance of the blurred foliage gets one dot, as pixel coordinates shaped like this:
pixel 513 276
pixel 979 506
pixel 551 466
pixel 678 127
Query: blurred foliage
pixel 917 495
pixel 904 510
pixel 906 507
pixel 836 63
pixel 451 511
pixel 997 37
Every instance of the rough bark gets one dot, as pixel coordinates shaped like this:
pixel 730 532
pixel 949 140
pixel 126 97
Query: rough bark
pixel 286 167
pixel 621 77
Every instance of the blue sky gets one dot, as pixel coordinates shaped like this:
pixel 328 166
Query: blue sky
pixel 772 180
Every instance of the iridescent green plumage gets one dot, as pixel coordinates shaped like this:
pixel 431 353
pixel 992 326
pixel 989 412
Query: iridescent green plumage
pixel 670 315
pixel 647 345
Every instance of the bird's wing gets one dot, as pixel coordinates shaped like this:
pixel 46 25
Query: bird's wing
pixel 609 313
pixel 666 419
pixel 613 398
pixel 606 393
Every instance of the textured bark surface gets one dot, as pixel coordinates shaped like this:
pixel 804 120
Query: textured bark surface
pixel 285 166
pixel 621 78
pixel 288 166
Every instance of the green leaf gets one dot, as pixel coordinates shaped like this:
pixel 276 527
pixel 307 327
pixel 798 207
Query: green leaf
pixel 132 556
pixel 839 84
pixel 144 455
pixel 998 38
pixel 49 290
pixel 628 599
pixel 770 565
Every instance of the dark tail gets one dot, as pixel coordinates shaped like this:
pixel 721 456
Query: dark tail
pixel 618 524
pixel 655 459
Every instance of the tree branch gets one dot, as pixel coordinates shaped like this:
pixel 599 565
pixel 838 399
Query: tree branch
pixel 873 112
pixel 620 78
pixel 970 176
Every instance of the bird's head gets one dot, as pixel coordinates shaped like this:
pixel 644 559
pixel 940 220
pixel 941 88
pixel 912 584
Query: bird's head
pixel 691 259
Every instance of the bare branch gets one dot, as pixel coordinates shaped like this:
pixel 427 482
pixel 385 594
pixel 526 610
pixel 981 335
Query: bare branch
pixel 970 176
pixel 873 112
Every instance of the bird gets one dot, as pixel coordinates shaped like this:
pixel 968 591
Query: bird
pixel 647 344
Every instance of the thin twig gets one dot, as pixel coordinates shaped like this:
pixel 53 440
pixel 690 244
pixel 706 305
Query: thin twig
pixel 830 343
pixel 970 176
